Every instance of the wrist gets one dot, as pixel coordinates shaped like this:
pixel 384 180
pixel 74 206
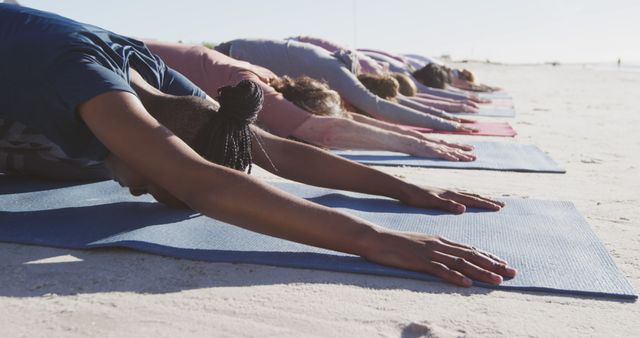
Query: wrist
pixel 373 242
pixel 407 190
pixel 406 144
pixel 399 189
pixel 381 242
pixel 392 187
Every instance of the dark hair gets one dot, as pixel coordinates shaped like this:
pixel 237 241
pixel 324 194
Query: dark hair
pixel 384 86
pixel 223 135
pixel 226 138
pixel 310 94
pixel 433 75
pixel 407 87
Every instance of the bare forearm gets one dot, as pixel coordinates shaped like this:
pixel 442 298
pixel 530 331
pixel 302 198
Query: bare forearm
pixel 419 106
pixel 362 133
pixel 425 117
pixel 240 200
pixel 438 98
pixel 387 126
pixel 260 208
pixel 308 164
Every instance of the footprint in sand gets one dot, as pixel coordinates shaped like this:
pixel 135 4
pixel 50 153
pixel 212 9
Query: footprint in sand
pixel 428 330
pixel 591 161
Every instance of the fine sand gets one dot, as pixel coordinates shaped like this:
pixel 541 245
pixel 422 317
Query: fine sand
pixel 585 118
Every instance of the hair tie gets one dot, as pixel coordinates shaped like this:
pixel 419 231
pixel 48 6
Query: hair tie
pixel 242 102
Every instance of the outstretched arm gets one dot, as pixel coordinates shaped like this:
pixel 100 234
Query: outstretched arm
pixel 442 99
pixel 122 124
pixel 415 134
pixel 443 93
pixel 342 133
pixel 307 164
pixel 453 107
pixel 407 102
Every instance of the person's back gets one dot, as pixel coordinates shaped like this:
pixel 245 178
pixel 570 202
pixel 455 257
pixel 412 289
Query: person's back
pixel 211 70
pixel 393 64
pixel 49 66
pixel 367 64
pixel 215 69
pixel 286 57
pixel 418 61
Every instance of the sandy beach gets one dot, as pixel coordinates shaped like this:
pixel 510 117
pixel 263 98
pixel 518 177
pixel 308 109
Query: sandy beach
pixel 585 117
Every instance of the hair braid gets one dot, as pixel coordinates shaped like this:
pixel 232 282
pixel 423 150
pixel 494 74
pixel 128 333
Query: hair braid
pixel 226 138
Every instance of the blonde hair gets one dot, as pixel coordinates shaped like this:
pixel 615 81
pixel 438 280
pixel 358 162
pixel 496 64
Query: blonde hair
pixel 384 86
pixel 407 86
pixel 310 94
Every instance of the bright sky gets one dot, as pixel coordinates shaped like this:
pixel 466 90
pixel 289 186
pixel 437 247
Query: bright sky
pixel 500 30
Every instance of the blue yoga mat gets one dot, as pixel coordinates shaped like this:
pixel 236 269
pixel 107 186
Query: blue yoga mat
pixel 490 156
pixel 550 244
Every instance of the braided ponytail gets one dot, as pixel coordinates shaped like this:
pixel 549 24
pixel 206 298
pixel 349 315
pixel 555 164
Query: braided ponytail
pixel 226 138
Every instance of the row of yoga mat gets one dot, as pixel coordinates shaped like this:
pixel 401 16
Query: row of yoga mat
pixel 549 242
pixel 500 108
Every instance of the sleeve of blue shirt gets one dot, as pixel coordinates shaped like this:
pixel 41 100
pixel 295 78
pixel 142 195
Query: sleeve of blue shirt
pixel 78 80
pixel 71 82
pixel 177 84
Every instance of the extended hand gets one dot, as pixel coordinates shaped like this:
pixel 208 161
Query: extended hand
pixel 477 99
pixel 468 109
pixel 443 151
pixel 424 137
pixel 467 128
pixel 461 146
pixel 457 119
pixel 454 262
pixel 471 103
pixel 448 200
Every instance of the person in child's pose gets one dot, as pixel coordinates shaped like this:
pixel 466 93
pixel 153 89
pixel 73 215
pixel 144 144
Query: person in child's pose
pixel 76 93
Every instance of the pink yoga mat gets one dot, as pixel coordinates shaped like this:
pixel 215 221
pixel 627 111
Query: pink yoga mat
pixel 484 129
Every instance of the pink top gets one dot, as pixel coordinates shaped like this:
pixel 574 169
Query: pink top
pixel 367 64
pixel 211 70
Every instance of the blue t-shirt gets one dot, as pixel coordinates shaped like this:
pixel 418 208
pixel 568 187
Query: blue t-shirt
pixel 50 64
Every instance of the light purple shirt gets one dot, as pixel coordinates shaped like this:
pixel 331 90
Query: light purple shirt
pixel 367 64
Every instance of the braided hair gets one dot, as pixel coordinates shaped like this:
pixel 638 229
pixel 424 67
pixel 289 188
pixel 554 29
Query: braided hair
pixel 219 134
pixel 225 138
